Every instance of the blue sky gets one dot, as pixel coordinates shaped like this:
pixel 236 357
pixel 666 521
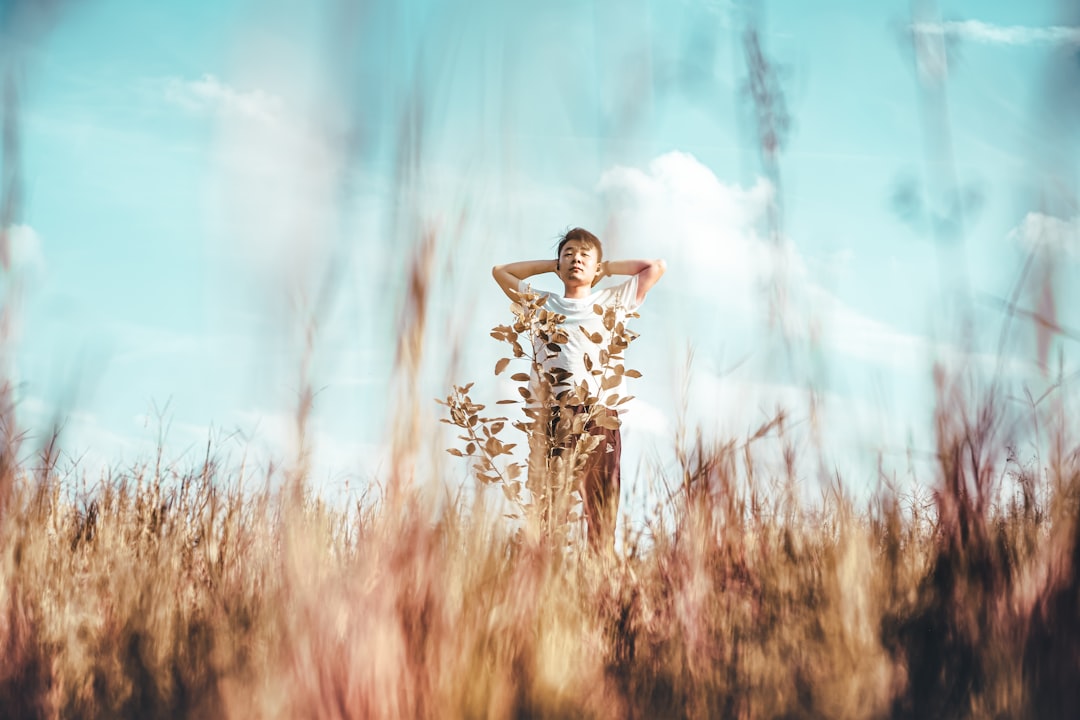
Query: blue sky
pixel 204 182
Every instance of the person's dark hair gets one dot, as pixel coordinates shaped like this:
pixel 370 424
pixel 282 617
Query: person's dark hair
pixel 584 235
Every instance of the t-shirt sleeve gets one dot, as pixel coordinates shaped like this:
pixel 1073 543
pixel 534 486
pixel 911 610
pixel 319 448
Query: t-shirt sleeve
pixel 526 289
pixel 626 294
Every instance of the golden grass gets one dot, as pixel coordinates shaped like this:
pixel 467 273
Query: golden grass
pixel 166 596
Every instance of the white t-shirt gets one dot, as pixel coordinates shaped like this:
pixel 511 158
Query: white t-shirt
pixel 580 313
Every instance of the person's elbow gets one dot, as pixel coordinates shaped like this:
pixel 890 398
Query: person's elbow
pixel 505 280
pixel 648 277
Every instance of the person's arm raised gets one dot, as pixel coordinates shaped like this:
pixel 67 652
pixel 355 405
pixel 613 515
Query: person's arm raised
pixel 509 276
pixel 647 271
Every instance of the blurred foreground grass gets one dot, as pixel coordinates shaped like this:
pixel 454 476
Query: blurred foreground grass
pixel 165 595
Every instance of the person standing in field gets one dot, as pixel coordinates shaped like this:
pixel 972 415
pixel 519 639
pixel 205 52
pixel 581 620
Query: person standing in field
pixel 580 265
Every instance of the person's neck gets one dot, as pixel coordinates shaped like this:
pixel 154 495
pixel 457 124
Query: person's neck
pixel 576 292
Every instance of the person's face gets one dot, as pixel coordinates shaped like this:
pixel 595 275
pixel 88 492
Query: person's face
pixel 578 262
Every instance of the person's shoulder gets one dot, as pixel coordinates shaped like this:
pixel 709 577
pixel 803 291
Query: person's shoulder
pixel 605 296
pixel 624 294
pixel 526 289
pixel 549 300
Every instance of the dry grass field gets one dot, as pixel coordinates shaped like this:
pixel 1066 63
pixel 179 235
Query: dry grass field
pixel 156 593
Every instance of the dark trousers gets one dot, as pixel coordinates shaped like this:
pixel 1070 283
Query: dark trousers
pixel 600 480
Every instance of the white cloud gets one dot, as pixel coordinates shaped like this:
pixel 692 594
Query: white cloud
pixel 271 192
pixel 24 250
pixel 709 234
pixel 23 264
pixel 89 447
pixel 209 94
pixel 1040 232
pixel 678 209
pixel 272 437
pixel 727 273
pixel 643 416
pixel 1000 35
